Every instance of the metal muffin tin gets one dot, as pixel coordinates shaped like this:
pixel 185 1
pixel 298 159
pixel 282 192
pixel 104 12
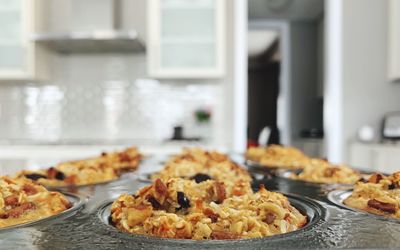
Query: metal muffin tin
pixel 73 188
pixel 84 229
pixel 146 177
pixel 337 197
pixel 313 210
pixel 76 201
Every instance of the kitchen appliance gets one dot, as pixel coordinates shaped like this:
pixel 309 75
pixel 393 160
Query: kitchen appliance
pixel 92 26
pixel 391 126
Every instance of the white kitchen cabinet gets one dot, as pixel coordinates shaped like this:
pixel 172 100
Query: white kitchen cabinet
pixel 186 38
pixel 375 157
pixel 19 56
pixel 394 40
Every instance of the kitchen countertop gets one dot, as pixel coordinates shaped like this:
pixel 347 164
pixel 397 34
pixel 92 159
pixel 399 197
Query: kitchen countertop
pixel 339 228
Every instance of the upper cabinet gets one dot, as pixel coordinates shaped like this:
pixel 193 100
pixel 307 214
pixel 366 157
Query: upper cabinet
pixel 394 40
pixel 186 38
pixel 17 52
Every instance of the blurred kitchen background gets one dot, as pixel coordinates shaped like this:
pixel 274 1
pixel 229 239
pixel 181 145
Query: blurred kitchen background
pixel 81 76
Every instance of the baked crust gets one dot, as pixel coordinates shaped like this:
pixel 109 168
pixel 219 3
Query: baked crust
pixel 277 156
pixel 106 167
pixel 321 171
pixel 201 165
pixel 204 157
pixel 22 201
pixel 379 195
pixel 184 209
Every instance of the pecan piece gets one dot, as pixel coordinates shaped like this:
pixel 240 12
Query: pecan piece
pixel 269 218
pixel 210 214
pixel 29 189
pixel 220 191
pixel 17 211
pixel 124 157
pixel 11 200
pixel 383 206
pixel 329 172
pixel 160 187
pixel 375 178
pixel 222 235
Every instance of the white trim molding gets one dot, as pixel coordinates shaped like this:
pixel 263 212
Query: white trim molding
pixel 333 99
pixel 240 76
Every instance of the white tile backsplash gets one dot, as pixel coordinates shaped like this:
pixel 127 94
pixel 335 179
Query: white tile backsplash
pixel 104 97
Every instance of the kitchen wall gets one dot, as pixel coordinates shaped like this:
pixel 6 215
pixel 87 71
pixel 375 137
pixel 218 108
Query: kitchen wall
pixel 366 94
pixel 110 96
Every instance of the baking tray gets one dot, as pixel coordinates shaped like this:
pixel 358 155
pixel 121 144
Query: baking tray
pixel 316 215
pixel 77 202
pixel 337 197
pixel 341 228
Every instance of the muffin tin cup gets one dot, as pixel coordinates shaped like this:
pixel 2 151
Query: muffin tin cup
pixel 72 188
pixel 337 197
pixel 77 202
pixel 316 216
pixel 287 174
pixel 146 177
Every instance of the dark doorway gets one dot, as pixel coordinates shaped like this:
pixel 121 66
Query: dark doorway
pixel 263 90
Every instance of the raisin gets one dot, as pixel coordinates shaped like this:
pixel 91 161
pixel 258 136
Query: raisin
pixel 60 175
pixel 363 180
pixel 35 177
pixel 154 202
pixel 200 178
pixel 183 200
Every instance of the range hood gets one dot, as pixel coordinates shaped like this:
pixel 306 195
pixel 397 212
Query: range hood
pixel 111 38
pixel 91 42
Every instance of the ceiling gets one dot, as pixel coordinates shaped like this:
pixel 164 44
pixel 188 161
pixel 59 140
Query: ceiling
pixel 296 10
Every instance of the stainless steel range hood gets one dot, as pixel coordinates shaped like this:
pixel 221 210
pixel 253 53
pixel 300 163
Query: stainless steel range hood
pixel 98 40
pixel 92 42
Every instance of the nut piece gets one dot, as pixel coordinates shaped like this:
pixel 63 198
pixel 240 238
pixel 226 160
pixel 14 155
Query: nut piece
pixel 138 214
pixel 383 206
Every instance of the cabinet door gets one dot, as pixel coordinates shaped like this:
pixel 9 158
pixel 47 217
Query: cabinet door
pixel 186 38
pixel 13 41
pixel 394 40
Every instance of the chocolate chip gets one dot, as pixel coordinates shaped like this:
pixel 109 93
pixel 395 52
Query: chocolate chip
pixel 35 177
pixel 200 178
pixel 183 200
pixel 60 175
